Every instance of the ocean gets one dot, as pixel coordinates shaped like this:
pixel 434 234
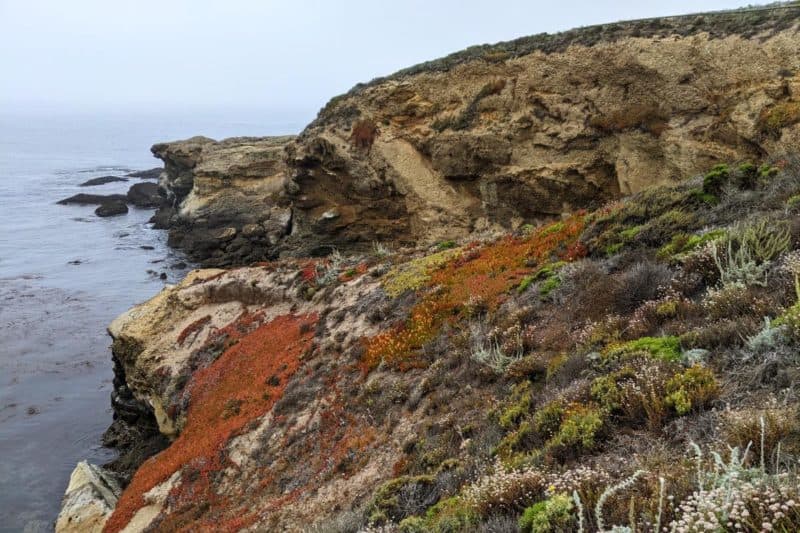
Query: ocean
pixel 65 274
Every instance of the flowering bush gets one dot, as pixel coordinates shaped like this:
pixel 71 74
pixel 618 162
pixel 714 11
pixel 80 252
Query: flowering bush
pixel 503 489
pixel 731 497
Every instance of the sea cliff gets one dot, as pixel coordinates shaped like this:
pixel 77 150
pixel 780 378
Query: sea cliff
pixel 499 280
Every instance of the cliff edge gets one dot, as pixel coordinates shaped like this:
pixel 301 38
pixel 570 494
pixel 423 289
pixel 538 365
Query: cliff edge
pixel 494 137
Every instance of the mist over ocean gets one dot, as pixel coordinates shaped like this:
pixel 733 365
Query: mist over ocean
pixel 65 274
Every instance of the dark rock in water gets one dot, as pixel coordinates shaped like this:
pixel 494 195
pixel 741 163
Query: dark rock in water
pixel 163 276
pixel 145 195
pixel 75 262
pixel 180 265
pixel 146 247
pixel 152 174
pixel 92 199
pixel 110 209
pixel 101 181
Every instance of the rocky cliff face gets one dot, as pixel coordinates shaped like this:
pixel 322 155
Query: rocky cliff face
pixel 379 386
pixel 494 137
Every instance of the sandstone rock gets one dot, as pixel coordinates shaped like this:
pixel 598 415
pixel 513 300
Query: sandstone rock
pixel 88 501
pixel 548 125
pixel 111 208
pixel 252 230
pixel 223 234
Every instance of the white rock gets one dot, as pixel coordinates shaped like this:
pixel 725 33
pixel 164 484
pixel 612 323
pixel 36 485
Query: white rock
pixel 88 501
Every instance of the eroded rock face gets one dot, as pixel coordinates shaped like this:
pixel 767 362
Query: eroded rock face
pixel 223 197
pixel 493 137
pixel 89 500
pixel 165 344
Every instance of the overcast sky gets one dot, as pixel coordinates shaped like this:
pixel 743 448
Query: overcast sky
pixel 258 54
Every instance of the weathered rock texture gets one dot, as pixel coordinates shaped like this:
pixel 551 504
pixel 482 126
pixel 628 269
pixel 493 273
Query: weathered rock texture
pixel 494 136
pixel 89 500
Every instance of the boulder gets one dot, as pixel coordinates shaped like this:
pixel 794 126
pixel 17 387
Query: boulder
pixel 145 195
pixel 92 199
pixel 112 208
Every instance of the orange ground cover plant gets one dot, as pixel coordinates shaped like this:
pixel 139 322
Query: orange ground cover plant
pixel 240 386
pixel 482 276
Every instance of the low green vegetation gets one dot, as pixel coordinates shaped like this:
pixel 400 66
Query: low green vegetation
pixel 680 321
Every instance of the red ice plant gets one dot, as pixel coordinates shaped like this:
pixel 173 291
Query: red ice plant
pixel 240 386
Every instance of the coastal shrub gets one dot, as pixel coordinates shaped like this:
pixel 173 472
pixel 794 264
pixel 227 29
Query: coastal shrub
pixel 746 176
pixel 731 496
pixel 662 226
pixel 503 489
pixel 548 274
pixel 734 300
pixel 793 203
pixel 726 332
pixel 744 256
pixel 401 497
pixel 639 284
pixel 548 418
pixel 691 389
pixel 606 390
pixel 663 348
pixel 683 243
pixel 549 285
pixel 703 198
pixel 553 514
pixel 519 405
pixel 450 516
pixel 578 433
pixel 715 179
pixel 773 119
pixel 636 394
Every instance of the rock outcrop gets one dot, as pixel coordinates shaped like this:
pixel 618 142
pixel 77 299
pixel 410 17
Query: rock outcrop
pixel 377 387
pixel 111 208
pixel 89 500
pixel 494 137
pixel 224 196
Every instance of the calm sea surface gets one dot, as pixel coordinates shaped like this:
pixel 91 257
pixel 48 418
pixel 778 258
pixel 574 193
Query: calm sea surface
pixel 64 275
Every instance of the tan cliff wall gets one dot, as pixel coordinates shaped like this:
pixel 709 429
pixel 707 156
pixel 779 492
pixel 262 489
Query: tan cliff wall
pixel 494 137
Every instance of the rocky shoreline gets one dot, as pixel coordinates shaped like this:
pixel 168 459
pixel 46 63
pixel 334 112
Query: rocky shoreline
pixel 424 161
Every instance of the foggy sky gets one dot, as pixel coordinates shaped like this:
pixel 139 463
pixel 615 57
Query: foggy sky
pixel 267 55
